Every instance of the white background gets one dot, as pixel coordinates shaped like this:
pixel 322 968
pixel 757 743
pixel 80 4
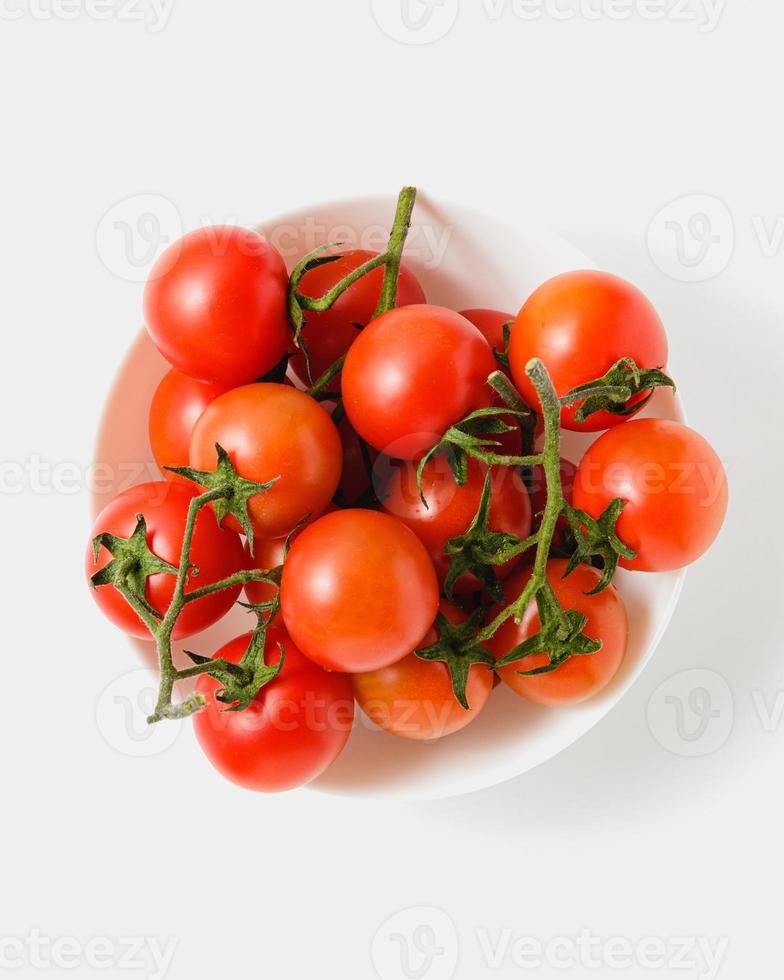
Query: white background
pixel 237 111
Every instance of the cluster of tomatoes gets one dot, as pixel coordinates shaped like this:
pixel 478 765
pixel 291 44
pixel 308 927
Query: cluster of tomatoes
pixel 364 539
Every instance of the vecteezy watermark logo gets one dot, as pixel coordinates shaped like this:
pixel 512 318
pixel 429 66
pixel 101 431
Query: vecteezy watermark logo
pixel 154 14
pixel 419 943
pixel 121 715
pixel 426 243
pixel 706 14
pixel 415 21
pixel 145 956
pixel 692 713
pixel 692 238
pixel 589 952
pixel 133 232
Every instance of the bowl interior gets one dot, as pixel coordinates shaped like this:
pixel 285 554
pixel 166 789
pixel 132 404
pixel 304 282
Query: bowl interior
pixel 463 259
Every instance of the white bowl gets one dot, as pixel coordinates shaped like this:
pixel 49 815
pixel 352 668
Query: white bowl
pixel 463 259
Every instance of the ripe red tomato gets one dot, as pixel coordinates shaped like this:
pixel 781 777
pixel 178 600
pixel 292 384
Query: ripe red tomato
pixel 411 374
pixel 215 305
pixel 539 500
pixel 292 731
pixel 674 486
pixel 272 430
pixel 580 324
pixel 452 508
pixel 490 323
pixel 414 699
pixel 329 335
pixel 580 677
pixel 216 552
pixel 359 591
pixel 175 408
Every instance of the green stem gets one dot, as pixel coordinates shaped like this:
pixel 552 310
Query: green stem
pixel 391 259
pixel 319 387
pixel 394 253
pixel 328 300
pixel 551 463
pixel 238 578
pixel 162 632
pixel 501 383
pixel 138 607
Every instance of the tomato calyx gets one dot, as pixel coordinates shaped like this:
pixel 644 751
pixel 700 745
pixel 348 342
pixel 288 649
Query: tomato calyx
pixel 479 551
pixel 459 649
pixel 233 492
pixel 256 673
pixel 299 304
pixel 598 538
pixel 614 391
pixel 472 437
pixel 560 636
pixel 131 565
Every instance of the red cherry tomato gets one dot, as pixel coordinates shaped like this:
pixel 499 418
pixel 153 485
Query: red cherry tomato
pixel 293 730
pixel 216 552
pixel 411 374
pixel 674 486
pixel 176 406
pixel 580 677
pixel 215 305
pixel 414 699
pixel 490 323
pixel 580 324
pixel 329 335
pixel 272 430
pixel 452 508
pixel 359 591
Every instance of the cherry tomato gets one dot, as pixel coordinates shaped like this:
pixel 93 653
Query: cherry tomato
pixel 452 508
pixel 293 730
pixel 272 430
pixel 414 699
pixel 490 323
pixel 216 552
pixel 329 335
pixel 581 677
pixel 411 374
pixel 539 501
pixel 674 486
pixel 359 591
pixel 176 406
pixel 580 324
pixel 215 305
